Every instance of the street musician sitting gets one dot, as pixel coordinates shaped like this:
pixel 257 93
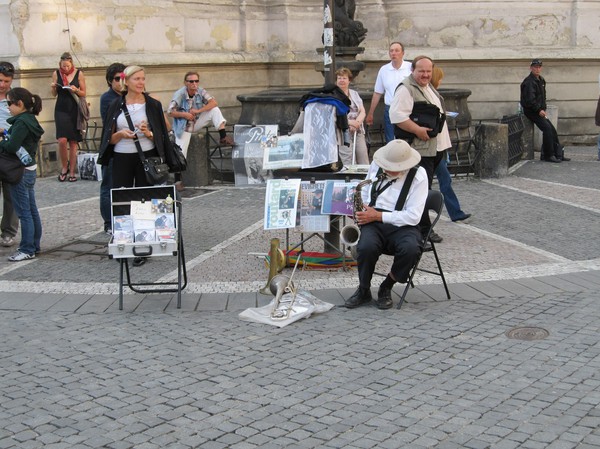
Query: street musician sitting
pixel 389 224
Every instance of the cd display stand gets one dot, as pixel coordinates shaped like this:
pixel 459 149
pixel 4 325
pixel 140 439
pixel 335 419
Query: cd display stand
pixel 158 233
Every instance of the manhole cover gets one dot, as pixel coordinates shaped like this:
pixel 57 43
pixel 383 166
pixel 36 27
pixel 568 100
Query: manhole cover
pixel 527 333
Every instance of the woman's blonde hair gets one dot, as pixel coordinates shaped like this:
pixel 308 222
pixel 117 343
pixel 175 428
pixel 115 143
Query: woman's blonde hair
pixel 436 77
pixel 129 71
pixel 344 71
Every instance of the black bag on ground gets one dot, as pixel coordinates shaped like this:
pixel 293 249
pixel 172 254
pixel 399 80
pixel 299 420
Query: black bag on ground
pixel 11 168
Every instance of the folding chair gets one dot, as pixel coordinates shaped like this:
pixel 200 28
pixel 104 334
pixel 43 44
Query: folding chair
pixel 434 203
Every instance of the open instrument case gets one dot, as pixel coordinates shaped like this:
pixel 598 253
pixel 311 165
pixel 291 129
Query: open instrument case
pixel 123 249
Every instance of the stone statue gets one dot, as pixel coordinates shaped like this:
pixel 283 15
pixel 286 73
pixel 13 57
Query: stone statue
pixel 348 32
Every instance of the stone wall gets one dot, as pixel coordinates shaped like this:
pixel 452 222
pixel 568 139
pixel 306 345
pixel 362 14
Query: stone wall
pixel 245 47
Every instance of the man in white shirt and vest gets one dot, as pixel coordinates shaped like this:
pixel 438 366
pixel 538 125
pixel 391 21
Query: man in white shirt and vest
pixel 431 144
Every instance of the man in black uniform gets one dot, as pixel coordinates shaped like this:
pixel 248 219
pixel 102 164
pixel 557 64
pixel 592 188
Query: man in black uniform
pixel 533 102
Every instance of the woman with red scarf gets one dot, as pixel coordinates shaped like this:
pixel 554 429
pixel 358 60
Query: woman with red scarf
pixel 67 84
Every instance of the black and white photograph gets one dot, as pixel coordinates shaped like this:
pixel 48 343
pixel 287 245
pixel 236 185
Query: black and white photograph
pixel 248 165
pixel 287 153
pixel 88 168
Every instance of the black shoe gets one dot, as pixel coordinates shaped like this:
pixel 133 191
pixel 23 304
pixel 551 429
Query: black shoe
pixel 435 238
pixel 139 261
pixel 553 159
pixel 361 296
pixel 384 298
pixel 565 159
pixel 464 218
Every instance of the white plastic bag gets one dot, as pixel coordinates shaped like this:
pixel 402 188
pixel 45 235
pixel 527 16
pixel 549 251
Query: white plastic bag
pixel 304 306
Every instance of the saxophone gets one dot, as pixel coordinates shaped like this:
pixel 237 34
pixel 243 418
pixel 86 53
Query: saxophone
pixel 350 234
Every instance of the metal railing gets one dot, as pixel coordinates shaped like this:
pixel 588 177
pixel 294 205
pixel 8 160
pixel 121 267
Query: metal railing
pixel 464 152
pixel 515 141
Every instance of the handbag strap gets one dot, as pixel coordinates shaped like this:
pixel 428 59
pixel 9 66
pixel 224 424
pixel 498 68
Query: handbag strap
pixel 136 140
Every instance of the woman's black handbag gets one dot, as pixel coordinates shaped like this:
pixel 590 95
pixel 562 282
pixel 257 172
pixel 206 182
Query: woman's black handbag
pixel 174 155
pixel 157 172
pixel 11 168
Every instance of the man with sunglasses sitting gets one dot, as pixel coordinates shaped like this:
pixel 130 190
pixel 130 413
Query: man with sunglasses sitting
pixel 192 108
pixel 10 222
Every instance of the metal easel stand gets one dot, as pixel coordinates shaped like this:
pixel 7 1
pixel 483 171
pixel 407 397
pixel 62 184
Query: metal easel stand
pixel 328 243
pixel 160 287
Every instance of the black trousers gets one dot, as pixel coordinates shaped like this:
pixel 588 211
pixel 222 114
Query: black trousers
pixel 550 144
pixel 429 164
pixel 128 170
pixel 404 243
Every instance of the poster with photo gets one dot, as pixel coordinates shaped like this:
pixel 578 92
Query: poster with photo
pixel 338 197
pixel 310 202
pixel 281 201
pixel 88 166
pixel 247 157
pixel 265 134
pixel 287 153
pixel 248 165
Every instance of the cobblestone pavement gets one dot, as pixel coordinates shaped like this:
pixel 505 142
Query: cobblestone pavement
pixel 511 361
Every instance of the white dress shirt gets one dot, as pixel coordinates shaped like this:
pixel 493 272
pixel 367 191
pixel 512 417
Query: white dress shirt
pixel 415 201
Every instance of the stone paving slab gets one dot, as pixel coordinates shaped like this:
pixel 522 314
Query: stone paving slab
pixel 77 372
pixel 430 375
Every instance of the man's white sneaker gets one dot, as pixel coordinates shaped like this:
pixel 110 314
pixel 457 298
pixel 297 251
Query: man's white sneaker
pixel 7 241
pixel 20 256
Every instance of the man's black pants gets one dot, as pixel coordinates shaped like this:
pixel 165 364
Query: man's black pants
pixel 429 164
pixel 550 144
pixel 404 243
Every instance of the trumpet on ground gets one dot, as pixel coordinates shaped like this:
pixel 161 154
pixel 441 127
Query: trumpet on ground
pixel 282 285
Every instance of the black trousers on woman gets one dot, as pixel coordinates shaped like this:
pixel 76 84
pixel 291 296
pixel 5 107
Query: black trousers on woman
pixel 128 170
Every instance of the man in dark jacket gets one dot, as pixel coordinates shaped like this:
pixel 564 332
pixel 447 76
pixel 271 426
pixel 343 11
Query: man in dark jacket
pixel 533 102
pixel 113 79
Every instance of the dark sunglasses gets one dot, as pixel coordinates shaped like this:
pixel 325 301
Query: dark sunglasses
pixel 10 103
pixel 117 78
pixel 192 81
pixel 7 70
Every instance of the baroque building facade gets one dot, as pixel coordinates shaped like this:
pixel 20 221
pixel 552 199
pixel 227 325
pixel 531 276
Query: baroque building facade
pixel 245 46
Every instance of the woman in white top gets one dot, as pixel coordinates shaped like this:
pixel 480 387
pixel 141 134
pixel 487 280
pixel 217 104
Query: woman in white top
pixel 356 117
pixel 117 137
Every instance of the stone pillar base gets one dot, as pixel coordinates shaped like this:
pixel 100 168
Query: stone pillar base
pixel 492 142
pixel 198 172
